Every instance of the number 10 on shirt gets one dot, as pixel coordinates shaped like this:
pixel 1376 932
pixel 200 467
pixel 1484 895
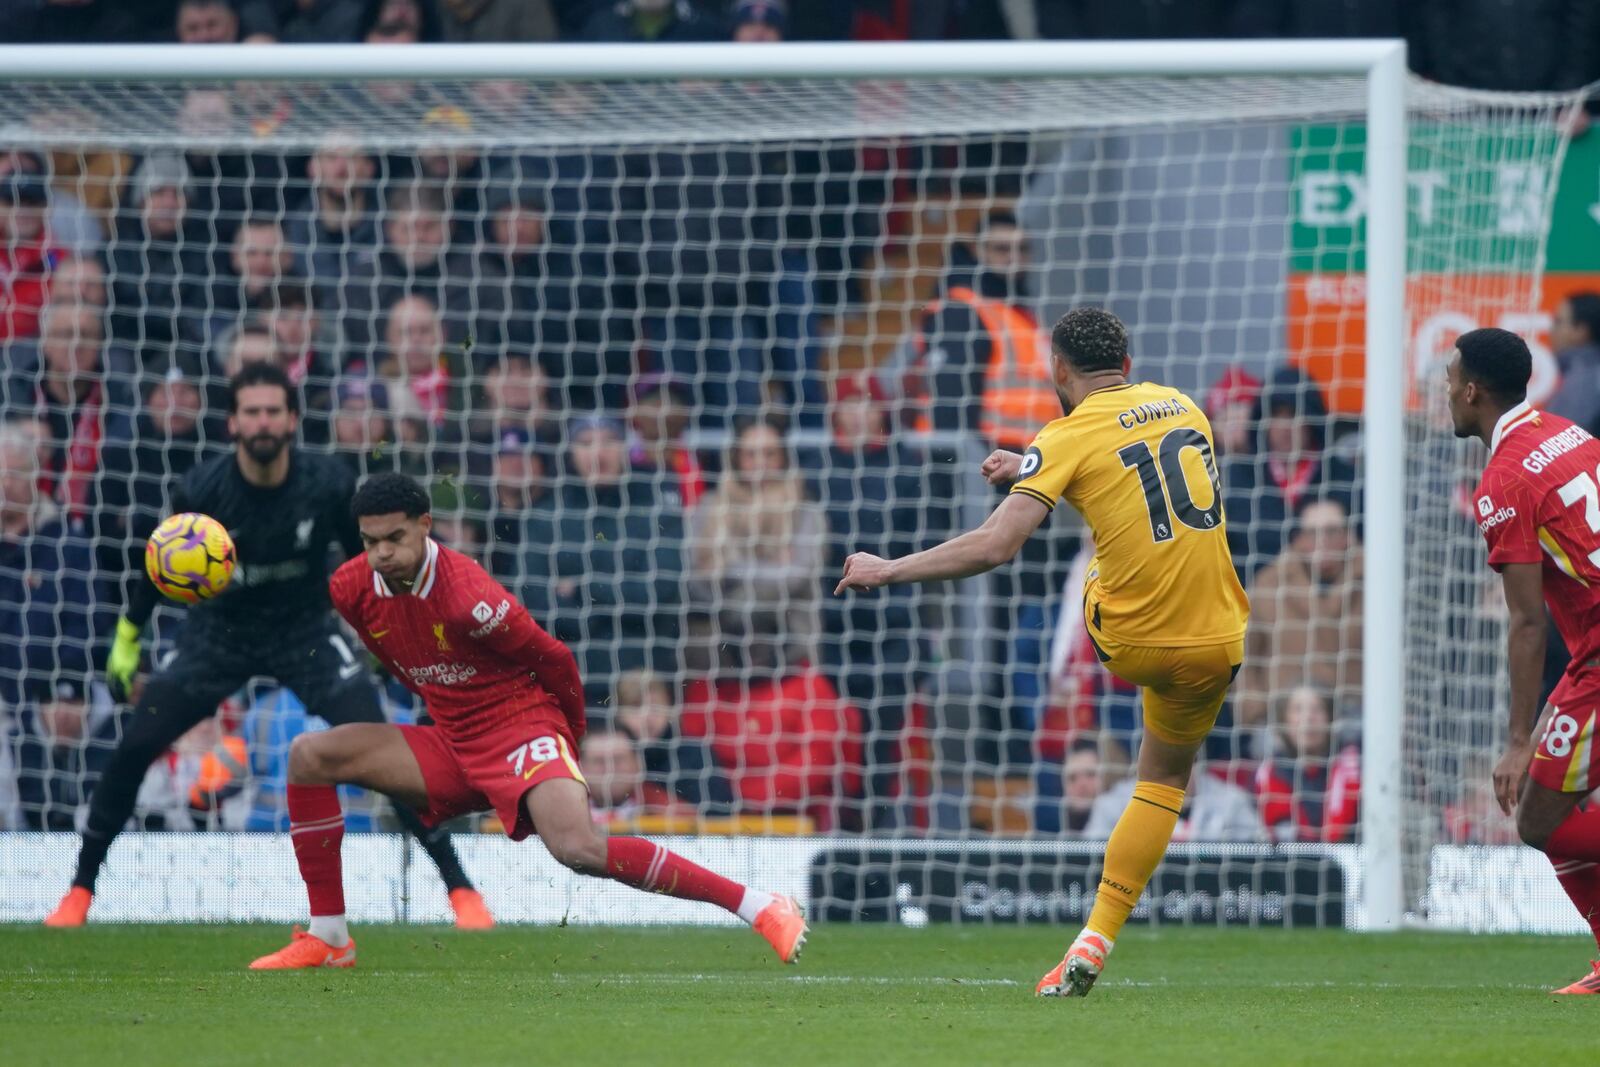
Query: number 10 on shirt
pixel 1162 476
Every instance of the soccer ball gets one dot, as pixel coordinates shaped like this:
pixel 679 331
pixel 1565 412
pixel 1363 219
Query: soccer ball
pixel 190 557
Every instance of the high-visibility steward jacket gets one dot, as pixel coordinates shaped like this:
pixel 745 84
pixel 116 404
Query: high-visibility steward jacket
pixel 1019 392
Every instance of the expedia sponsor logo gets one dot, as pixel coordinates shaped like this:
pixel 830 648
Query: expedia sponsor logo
pixel 491 620
pixel 1490 521
pixel 442 673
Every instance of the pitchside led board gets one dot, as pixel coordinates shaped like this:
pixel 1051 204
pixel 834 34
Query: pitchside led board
pixel 914 883
pixel 1472 219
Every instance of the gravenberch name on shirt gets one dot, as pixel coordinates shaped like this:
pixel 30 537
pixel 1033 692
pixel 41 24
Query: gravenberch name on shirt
pixel 1553 448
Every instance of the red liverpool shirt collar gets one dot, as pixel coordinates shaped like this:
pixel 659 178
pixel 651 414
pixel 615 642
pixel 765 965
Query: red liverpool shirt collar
pixel 1517 416
pixel 425 576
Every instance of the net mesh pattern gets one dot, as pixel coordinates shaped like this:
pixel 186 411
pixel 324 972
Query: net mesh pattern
pixel 666 353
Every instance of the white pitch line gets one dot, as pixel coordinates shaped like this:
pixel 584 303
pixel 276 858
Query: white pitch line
pixel 802 979
pixel 43 979
pixel 1126 983
pixel 845 979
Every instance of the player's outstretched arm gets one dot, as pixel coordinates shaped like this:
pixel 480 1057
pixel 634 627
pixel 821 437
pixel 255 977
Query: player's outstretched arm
pixel 1002 467
pixel 1525 637
pixel 974 552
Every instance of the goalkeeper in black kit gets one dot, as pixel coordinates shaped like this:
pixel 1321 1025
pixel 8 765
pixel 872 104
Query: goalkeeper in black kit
pixel 284 509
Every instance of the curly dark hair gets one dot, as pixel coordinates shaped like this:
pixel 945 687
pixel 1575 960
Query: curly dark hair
pixel 1498 360
pixel 1091 339
pixel 385 494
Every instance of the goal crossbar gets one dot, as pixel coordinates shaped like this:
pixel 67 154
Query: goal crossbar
pixel 611 62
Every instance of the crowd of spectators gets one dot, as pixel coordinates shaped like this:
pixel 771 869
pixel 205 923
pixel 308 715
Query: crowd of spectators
pixel 552 341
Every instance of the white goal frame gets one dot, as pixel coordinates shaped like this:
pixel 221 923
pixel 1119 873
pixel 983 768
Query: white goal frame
pixel 1381 62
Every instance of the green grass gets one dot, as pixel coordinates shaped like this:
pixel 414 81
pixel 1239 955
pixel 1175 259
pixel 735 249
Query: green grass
pixel 116 995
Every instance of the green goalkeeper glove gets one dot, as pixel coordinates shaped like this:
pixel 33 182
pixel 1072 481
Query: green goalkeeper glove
pixel 123 663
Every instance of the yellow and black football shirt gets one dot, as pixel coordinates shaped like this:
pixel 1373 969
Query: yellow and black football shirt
pixel 1137 462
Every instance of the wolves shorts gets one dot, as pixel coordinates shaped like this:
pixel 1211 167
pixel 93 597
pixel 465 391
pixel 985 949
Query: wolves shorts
pixel 493 770
pixel 1564 758
pixel 1183 687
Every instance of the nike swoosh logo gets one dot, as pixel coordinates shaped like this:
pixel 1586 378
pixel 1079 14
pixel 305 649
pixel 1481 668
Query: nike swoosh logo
pixel 377 634
pixel 531 771
pixel 1541 755
pixel 350 670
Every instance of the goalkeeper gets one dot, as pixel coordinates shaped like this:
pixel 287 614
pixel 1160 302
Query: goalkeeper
pixel 284 508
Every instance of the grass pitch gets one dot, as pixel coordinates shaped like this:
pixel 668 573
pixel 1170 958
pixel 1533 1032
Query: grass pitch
pixel 128 995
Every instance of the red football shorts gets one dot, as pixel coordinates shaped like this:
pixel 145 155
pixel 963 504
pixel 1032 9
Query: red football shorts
pixel 1565 758
pixel 493 770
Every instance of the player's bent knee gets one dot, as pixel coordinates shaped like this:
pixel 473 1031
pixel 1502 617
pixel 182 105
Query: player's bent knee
pixel 313 760
pixel 580 852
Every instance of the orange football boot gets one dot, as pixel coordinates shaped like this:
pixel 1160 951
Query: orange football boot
pixel 1074 976
pixel 1589 983
pixel 783 924
pixel 471 912
pixel 73 909
pixel 303 951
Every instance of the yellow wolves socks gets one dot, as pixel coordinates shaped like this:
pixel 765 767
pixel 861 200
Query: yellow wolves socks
pixel 1133 853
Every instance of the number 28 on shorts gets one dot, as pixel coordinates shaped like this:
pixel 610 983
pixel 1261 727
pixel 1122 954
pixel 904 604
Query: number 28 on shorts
pixel 1564 760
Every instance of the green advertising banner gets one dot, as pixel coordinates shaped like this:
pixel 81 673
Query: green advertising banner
pixel 1575 224
pixel 1475 196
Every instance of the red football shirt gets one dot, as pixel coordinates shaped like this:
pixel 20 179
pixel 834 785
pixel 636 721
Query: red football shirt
pixel 1539 502
pixel 461 642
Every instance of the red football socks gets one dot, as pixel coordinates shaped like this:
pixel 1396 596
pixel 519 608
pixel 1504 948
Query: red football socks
pixel 1581 880
pixel 646 865
pixel 1578 836
pixel 316 826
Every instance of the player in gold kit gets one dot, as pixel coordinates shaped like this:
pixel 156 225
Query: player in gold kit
pixel 1162 602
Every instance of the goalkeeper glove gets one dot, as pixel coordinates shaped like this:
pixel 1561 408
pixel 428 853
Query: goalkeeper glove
pixel 123 663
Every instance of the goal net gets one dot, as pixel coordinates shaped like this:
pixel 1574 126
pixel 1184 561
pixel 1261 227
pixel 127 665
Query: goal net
pixel 665 352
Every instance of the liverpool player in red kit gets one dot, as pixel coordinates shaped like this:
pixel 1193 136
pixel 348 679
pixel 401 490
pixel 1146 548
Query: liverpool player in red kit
pixel 1538 506
pixel 508 712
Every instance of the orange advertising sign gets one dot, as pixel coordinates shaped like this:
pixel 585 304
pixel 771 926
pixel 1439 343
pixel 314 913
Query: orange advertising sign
pixel 1327 326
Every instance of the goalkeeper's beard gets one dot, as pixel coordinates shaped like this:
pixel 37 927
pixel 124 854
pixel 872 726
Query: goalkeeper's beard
pixel 264 448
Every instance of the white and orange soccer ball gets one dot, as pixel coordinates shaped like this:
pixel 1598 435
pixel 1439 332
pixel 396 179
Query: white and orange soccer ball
pixel 190 557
